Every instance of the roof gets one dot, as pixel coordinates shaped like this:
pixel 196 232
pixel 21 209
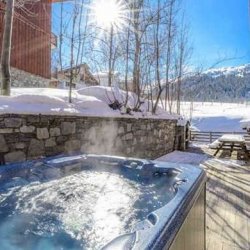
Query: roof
pixel 75 67
pixel 105 74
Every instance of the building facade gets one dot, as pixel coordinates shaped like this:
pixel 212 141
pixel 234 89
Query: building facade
pixel 31 43
pixel 82 77
pixel 103 78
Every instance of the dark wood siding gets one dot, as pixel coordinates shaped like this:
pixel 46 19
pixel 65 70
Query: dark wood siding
pixel 31 39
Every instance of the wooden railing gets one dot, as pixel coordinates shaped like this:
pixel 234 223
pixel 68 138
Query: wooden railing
pixel 211 136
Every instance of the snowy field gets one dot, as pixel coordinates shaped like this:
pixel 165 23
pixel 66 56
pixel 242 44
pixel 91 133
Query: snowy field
pixel 219 117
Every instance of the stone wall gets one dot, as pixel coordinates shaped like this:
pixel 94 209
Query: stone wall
pixel 20 78
pixel 32 136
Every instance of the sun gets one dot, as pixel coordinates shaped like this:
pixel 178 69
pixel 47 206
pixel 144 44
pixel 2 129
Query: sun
pixel 109 13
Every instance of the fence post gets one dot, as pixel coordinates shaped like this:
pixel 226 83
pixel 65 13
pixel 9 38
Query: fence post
pixel 210 137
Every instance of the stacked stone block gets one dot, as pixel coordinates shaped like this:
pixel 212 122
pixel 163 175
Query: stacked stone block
pixel 24 137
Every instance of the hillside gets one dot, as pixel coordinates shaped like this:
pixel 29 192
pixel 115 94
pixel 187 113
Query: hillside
pixel 224 85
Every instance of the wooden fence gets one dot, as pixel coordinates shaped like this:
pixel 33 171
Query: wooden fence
pixel 211 136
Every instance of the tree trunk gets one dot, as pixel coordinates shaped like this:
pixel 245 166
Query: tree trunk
pixel 127 65
pixel 61 38
pixel 110 73
pixel 137 6
pixel 6 48
pixel 157 48
pixel 168 99
pixel 136 71
pixel 72 70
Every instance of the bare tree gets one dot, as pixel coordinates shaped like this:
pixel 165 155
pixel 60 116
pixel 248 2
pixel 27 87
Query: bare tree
pixel 127 64
pixel 61 37
pixel 110 59
pixel 182 57
pixel 6 43
pixel 147 50
pixel 72 55
pixel 169 48
pixel 6 48
pixel 73 36
pixel 137 7
pixel 157 57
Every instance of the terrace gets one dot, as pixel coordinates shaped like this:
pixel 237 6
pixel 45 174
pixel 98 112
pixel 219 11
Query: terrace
pixel 69 173
pixel 227 197
pixel 228 191
pixel 228 214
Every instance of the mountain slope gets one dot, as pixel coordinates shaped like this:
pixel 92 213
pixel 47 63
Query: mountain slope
pixel 223 84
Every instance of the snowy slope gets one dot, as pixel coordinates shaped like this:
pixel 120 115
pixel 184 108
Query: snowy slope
pixel 239 71
pixel 226 84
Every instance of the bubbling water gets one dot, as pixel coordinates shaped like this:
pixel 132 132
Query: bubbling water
pixel 83 210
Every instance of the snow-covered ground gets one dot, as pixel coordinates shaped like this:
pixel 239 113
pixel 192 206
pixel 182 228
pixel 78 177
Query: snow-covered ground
pixel 184 157
pixel 94 101
pixel 219 117
pixel 245 124
pixel 199 159
pixel 89 101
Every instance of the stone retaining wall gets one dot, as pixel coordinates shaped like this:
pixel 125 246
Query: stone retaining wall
pixel 20 78
pixel 32 136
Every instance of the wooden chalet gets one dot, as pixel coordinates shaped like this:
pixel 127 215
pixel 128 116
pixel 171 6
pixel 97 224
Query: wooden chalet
pixel 82 76
pixel 32 39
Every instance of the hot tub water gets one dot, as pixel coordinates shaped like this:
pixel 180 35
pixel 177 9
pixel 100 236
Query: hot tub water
pixel 77 206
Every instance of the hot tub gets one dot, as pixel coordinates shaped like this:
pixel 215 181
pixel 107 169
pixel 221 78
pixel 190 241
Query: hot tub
pixel 101 202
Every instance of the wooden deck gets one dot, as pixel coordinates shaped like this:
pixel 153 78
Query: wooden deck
pixel 228 196
pixel 228 204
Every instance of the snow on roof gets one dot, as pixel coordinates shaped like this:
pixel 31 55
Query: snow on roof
pixel 105 74
pixel 182 121
pixel 88 101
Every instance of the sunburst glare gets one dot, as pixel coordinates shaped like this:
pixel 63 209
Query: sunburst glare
pixel 109 13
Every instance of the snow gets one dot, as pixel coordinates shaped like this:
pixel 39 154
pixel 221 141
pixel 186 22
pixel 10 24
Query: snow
pixel 182 121
pixel 230 138
pixel 215 144
pixel 199 159
pixel 180 157
pixel 227 71
pixel 93 101
pixel 184 157
pixel 219 117
pixel 88 101
pixel 245 124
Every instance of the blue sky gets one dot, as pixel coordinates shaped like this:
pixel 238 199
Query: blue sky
pixel 219 29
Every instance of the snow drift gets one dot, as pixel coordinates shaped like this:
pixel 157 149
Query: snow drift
pixel 88 101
